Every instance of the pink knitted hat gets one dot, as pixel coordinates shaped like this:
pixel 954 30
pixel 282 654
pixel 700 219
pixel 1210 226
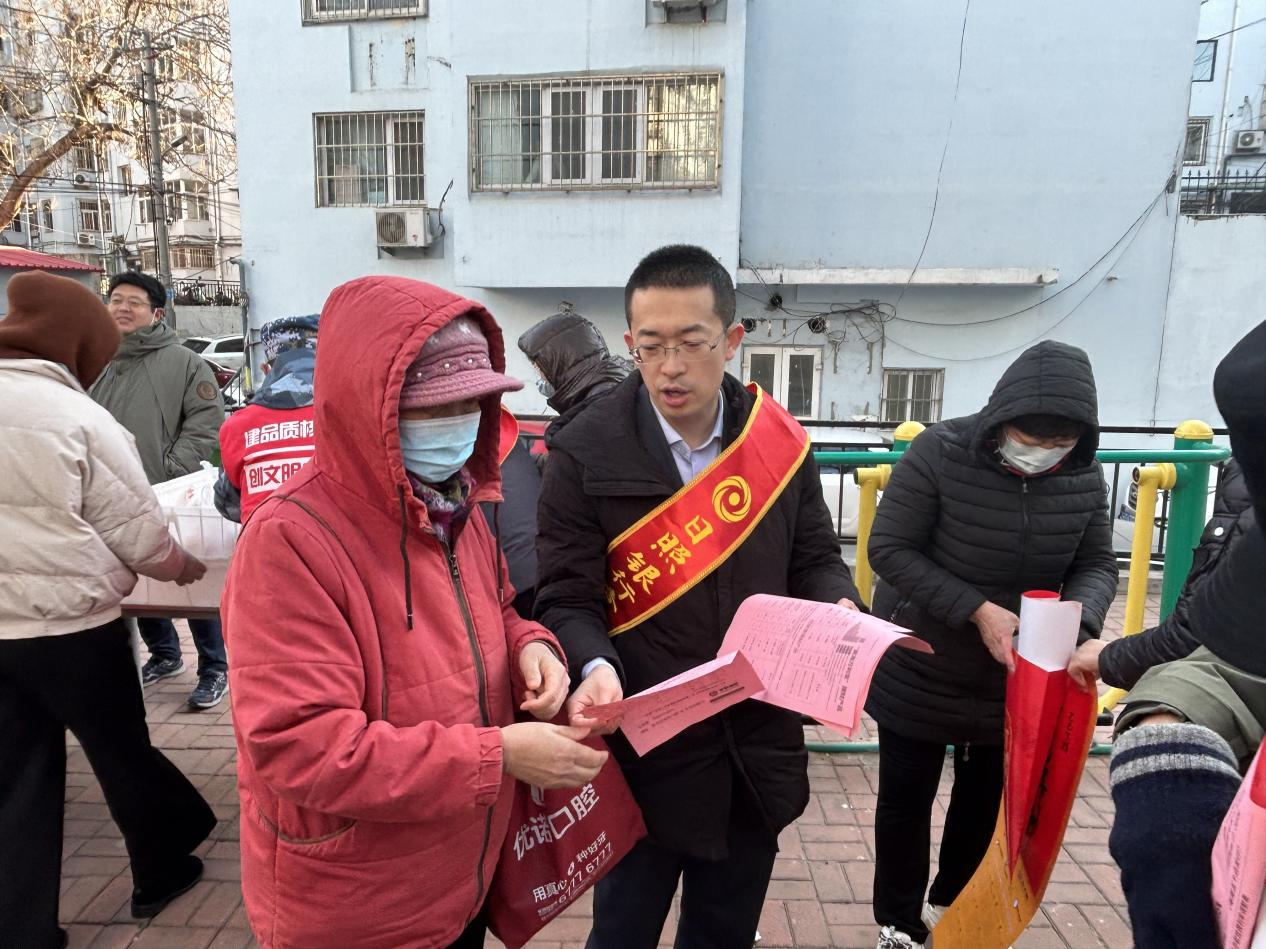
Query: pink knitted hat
pixel 451 366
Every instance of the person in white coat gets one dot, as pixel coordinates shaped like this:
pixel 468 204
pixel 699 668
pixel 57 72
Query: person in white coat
pixel 78 522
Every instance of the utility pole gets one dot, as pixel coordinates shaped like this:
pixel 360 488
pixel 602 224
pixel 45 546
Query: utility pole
pixel 158 192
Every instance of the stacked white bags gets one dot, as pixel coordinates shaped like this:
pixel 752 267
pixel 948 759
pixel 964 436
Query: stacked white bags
pixel 188 503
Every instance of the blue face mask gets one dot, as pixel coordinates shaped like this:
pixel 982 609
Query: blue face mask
pixel 435 449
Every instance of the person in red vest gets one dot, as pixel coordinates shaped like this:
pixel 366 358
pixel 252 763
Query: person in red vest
pixel 265 443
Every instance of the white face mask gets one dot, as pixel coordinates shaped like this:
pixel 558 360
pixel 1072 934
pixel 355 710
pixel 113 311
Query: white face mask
pixel 1030 459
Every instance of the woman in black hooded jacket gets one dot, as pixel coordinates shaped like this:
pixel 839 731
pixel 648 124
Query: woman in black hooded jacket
pixel 979 510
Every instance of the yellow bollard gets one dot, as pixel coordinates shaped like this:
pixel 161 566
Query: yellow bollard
pixel 871 481
pixel 905 433
pixel 1151 480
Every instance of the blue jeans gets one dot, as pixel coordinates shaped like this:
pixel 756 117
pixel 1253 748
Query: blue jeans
pixel 208 638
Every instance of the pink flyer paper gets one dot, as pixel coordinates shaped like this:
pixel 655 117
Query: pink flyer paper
pixel 664 710
pixel 1239 861
pixel 814 658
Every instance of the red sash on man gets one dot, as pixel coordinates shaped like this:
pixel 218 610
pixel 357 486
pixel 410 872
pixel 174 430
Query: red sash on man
pixel 683 540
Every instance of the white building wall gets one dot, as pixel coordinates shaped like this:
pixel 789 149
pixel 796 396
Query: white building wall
pixel 1066 126
pixel 1218 294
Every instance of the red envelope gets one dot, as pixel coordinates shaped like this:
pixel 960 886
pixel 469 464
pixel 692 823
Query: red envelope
pixel 1049 724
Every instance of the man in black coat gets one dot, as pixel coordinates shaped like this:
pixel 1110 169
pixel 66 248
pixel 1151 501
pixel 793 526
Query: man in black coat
pixel 1172 675
pixel 1194 722
pixel 979 510
pixel 716 796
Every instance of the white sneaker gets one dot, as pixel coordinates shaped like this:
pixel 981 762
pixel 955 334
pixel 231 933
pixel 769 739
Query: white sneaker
pixel 892 938
pixel 932 914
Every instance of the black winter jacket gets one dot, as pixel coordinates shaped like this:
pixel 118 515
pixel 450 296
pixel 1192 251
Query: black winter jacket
pixel 1226 611
pixel 1123 662
pixel 514 520
pixel 610 466
pixel 573 357
pixel 956 528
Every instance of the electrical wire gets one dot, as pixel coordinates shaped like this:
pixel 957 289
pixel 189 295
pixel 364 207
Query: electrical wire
pixel 1064 289
pixel 940 168
pixel 1137 228
pixel 1242 26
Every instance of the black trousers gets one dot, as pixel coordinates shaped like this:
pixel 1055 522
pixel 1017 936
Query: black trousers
pixel 85 682
pixel 721 900
pixel 909 772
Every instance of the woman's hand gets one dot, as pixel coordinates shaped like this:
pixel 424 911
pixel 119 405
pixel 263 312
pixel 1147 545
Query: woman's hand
pixel 545 678
pixel 997 625
pixel 549 756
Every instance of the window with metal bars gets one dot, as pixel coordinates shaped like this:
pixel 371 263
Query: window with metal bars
pixel 192 257
pixel 328 11
pixel 369 159
pixel 187 200
pixel 913 395
pixel 617 132
pixel 95 215
pixel 85 158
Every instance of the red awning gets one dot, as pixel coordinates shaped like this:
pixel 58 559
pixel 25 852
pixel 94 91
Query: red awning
pixel 23 259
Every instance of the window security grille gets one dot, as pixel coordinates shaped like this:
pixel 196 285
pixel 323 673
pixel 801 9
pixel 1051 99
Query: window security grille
pixel 585 132
pixel 331 11
pixel 369 159
pixel 913 395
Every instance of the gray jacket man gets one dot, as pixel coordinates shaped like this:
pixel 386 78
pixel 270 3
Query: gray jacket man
pixel 166 396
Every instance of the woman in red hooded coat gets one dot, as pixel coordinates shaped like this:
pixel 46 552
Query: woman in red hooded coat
pixel 377 661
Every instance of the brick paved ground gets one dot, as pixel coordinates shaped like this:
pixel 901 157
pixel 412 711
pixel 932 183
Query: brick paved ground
pixel 820 894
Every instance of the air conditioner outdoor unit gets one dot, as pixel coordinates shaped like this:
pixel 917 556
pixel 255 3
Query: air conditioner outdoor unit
pixel 407 227
pixel 84 239
pixel 685 11
pixel 1253 141
pixel 81 180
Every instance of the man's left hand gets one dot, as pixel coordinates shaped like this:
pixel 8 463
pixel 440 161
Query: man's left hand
pixel 545 678
pixel 846 603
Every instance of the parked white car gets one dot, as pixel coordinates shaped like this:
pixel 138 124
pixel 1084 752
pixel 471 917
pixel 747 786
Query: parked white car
pixel 228 351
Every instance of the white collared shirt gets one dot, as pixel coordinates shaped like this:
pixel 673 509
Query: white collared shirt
pixel 692 461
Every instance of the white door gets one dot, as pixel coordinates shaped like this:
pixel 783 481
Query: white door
pixel 792 375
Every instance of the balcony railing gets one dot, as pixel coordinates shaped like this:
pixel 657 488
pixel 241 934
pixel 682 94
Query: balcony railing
pixel 1239 192
pixel 196 292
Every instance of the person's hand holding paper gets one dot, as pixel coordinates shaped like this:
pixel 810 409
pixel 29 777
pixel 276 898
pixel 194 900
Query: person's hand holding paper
pixel 812 658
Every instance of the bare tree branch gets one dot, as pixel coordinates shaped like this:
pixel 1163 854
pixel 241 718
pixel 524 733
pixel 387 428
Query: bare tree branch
pixel 81 62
